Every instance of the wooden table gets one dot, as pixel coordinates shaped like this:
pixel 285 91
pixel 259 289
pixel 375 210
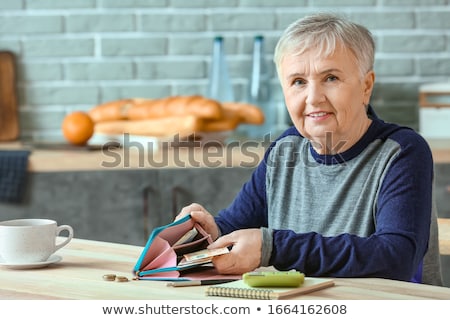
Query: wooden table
pixel 444 236
pixel 80 276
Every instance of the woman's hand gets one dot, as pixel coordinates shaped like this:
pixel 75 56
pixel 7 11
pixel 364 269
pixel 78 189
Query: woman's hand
pixel 202 217
pixel 245 255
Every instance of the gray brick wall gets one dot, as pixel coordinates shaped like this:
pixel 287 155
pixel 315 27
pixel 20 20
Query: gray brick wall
pixel 74 54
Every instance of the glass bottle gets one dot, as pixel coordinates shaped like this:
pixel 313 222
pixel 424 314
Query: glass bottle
pixel 259 93
pixel 220 86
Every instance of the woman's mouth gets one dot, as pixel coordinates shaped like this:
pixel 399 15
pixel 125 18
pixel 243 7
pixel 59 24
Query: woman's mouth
pixel 318 115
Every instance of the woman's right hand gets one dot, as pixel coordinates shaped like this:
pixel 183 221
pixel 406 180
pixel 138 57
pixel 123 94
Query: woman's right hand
pixel 200 215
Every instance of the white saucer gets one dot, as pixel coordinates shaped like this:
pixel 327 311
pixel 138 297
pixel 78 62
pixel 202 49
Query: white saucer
pixel 53 259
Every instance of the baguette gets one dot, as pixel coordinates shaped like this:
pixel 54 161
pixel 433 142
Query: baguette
pixel 148 109
pixel 228 122
pixel 176 106
pixel 162 127
pixel 113 110
pixel 249 113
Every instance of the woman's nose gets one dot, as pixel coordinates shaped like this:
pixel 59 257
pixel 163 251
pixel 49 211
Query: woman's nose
pixel 314 94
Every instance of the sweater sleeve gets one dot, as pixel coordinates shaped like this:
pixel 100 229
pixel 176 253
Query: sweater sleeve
pixel 249 208
pixel 402 223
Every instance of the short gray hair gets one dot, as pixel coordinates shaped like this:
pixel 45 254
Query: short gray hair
pixel 325 32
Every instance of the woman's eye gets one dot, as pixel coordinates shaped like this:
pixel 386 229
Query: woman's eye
pixel 298 82
pixel 331 78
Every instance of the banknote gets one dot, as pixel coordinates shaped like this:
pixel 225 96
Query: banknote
pixel 187 237
pixel 205 253
pixel 201 256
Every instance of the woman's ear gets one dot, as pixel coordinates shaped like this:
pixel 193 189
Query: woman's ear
pixel 369 80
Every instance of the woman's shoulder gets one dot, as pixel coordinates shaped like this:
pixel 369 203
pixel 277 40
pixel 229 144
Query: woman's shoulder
pixel 408 139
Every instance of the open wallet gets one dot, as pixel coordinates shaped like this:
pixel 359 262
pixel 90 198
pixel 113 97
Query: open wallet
pixel 177 251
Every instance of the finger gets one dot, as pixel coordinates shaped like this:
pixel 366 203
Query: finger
pixel 222 242
pixel 225 264
pixel 188 209
pixel 199 215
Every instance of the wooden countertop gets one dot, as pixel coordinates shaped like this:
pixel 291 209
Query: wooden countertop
pixel 247 154
pixel 80 276
pixel 444 236
pixel 81 159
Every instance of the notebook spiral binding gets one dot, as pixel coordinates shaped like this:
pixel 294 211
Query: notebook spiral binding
pixel 261 294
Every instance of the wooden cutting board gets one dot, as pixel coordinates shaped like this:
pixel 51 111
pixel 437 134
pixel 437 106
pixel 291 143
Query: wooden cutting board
pixel 9 122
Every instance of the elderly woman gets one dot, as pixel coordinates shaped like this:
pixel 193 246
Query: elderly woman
pixel 342 193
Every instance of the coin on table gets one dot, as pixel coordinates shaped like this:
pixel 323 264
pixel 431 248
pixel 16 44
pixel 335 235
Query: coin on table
pixel 121 279
pixel 109 277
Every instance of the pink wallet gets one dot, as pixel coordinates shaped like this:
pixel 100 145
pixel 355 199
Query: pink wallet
pixel 161 255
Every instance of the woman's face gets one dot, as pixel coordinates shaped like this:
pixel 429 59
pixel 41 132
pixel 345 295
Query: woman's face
pixel 326 98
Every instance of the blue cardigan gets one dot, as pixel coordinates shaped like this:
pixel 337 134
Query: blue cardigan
pixel 365 212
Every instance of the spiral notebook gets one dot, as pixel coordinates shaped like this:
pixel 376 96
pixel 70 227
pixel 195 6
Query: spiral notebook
pixel 238 289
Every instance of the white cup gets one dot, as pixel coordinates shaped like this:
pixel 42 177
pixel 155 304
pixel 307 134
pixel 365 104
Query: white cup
pixel 31 240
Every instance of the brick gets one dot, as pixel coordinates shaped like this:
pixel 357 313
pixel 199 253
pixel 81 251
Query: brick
pixel 47 135
pixel 434 67
pixel 395 92
pixel 129 90
pixel 52 4
pixel 133 3
pixel 40 71
pixel 173 22
pixel 413 43
pixel 204 3
pixel 133 46
pixel 11 5
pixel 171 69
pixel 433 19
pixel 61 47
pixel 10 45
pixel 100 23
pixel 201 45
pixel 403 3
pixel 394 67
pixel 191 44
pixel 272 3
pixel 100 71
pixel 190 88
pixel 284 19
pixel 18 24
pixel 384 20
pixel 236 21
pixel 341 3
pixel 42 119
pixel 59 94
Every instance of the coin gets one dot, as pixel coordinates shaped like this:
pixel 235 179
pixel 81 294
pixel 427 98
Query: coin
pixel 109 277
pixel 121 279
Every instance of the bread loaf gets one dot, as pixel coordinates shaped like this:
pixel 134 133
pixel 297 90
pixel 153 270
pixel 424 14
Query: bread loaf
pixel 248 113
pixel 165 117
pixel 148 109
pixel 161 127
pixel 113 110
pixel 228 122
pixel 176 106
